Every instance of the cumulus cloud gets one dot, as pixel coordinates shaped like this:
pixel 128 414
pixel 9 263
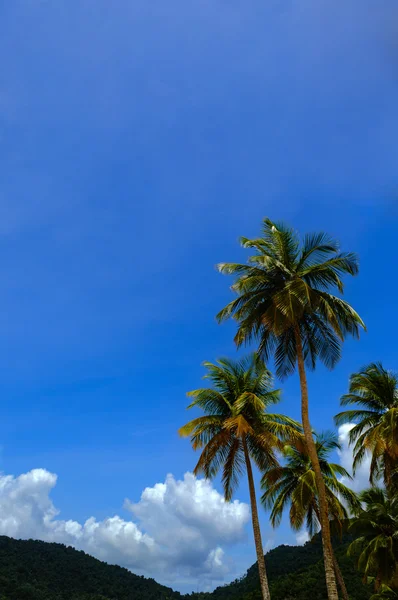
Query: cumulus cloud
pixel 195 516
pixel 361 479
pixel 178 530
pixel 302 537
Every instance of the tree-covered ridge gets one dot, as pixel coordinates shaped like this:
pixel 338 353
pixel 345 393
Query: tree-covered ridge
pixel 295 573
pixel 34 570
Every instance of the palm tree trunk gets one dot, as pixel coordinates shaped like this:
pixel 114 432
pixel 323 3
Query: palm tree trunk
pixel 320 484
pixel 339 575
pixel 256 528
pixel 340 580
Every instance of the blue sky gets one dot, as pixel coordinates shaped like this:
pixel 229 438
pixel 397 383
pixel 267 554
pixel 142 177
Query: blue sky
pixel 138 142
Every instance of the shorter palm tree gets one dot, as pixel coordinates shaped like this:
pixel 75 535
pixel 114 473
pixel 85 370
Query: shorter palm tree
pixel 237 430
pixel 376 548
pixel 374 392
pixel 294 484
pixel 384 593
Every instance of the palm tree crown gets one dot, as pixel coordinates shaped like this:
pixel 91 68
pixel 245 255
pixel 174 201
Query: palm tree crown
pixel 235 416
pixel 287 285
pixel 294 484
pixel 377 544
pixel 374 391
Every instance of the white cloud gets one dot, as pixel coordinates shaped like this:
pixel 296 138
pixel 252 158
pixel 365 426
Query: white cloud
pixel 302 537
pixel 195 517
pixel 178 530
pixel 361 479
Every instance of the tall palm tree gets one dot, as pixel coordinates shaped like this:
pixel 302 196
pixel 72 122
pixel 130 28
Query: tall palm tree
pixel 374 393
pixel 377 544
pixel 237 430
pixel 285 302
pixel 294 484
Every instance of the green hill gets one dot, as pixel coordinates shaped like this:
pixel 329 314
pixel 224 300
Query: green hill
pixel 295 573
pixel 33 570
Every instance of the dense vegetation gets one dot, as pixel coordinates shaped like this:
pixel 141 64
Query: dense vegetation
pixel 296 573
pixel 32 570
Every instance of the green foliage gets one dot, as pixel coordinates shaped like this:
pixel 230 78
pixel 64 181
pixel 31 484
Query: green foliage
pixel 236 417
pixel 374 393
pixel 285 289
pixel 376 548
pixel 384 593
pixel 32 570
pixel 295 573
pixel 293 483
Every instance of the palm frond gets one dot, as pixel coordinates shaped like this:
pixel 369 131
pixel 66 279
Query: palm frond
pixel 285 354
pixel 316 246
pixel 209 400
pixel 373 391
pixel 233 468
pixel 202 430
pixel 319 342
pixel 327 274
pixel 214 454
pixel 376 550
pixel 349 416
pixel 294 483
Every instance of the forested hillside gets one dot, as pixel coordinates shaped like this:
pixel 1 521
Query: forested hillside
pixel 33 570
pixel 295 573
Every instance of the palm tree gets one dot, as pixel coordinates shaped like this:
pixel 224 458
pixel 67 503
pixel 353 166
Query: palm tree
pixel 294 484
pixel 285 302
pixel 384 593
pixel 377 544
pixel 237 430
pixel 374 393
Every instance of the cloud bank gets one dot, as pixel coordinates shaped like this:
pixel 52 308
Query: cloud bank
pixel 361 478
pixel 302 537
pixel 177 529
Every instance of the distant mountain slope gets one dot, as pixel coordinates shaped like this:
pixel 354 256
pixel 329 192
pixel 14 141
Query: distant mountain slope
pixel 295 573
pixel 32 570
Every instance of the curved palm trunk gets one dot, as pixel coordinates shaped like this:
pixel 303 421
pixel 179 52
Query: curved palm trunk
pixel 340 580
pixel 320 484
pixel 256 528
pixel 339 575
